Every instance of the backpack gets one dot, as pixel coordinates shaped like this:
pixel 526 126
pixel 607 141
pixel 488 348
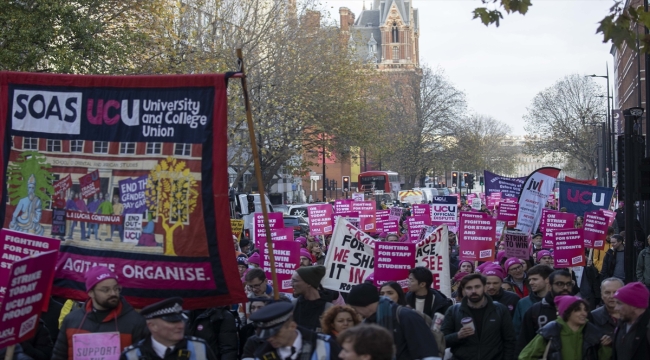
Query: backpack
pixel 438 335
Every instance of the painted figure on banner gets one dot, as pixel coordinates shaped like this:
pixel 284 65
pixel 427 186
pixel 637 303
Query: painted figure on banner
pixel 27 215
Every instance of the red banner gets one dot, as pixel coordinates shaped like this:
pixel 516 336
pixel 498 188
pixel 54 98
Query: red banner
pixel 60 189
pixel 89 184
pixel 94 218
pixel 592 182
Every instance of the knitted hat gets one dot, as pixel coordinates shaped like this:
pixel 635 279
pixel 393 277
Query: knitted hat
pixel 537 235
pixel 304 252
pixel 500 255
pixel 482 267
pixel 302 240
pixel 242 260
pixel 312 275
pixel 634 294
pixel 543 253
pixel 244 242
pixel 383 235
pixel 363 295
pixel 254 259
pixel 494 270
pixel 563 302
pixel 98 274
pixel 510 262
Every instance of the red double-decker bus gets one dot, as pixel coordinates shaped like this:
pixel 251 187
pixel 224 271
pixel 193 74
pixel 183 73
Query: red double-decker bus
pixel 370 182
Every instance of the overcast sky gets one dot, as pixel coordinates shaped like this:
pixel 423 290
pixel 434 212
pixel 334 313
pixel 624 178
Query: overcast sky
pixel 502 69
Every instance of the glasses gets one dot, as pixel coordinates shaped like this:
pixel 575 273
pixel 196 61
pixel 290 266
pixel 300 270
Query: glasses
pixel 256 285
pixel 117 290
pixel 563 284
pixel 516 268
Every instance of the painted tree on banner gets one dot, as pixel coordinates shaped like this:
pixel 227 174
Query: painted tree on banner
pixel 171 195
pixel 28 164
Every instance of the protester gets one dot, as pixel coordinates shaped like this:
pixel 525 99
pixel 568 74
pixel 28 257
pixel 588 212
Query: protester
pixel 218 328
pixel 366 342
pixel 339 318
pixel 614 263
pixel 494 276
pixel 316 252
pixel 570 336
pixel 411 335
pixel 282 338
pixel 40 346
pixel 105 311
pixel 539 286
pixel 516 276
pixel 421 296
pixel 620 216
pixel 544 311
pixel 392 238
pixel 466 266
pixel 606 317
pixel 256 283
pixel 537 243
pixel 242 264
pixel 599 255
pixel 245 246
pixel 310 305
pixel 247 331
pixel 305 258
pixel 643 265
pixel 394 292
pixel 254 260
pixel 544 257
pixel 578 222
pixel 167 341
pixel 631 336
pixel 478 328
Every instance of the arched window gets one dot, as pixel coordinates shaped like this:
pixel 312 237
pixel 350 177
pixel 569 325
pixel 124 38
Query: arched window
pixel 395 53
pixel 395 32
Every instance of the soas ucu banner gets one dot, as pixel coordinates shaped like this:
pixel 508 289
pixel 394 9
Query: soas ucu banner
pixel 579 199
pixel 533 196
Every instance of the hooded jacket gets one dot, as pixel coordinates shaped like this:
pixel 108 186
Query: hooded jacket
pixel 534 319
pixel 566 344
pixel 507 298
pixel 217 327
pixel 635 344
pixel 497 335
pixel 522 306
pixel 123 319
pixel 439 302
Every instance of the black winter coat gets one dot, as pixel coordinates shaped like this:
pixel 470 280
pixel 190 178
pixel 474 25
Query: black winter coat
pixel 637 347
pixel 601 318
pixel 440 302
pixel 534 319
pixel 217 327
pixel 497 335
pixel 591 335
pixel 507 298
pixel 609 264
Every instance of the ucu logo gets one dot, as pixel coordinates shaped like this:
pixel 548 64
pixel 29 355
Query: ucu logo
pixel 586 197
pixel 466 252
pixel 439 199
pixel 444 208
pixel 108 112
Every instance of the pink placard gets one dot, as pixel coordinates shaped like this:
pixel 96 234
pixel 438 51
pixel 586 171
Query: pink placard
pixel 276 221
pixel 390 226
pixel 415 225
pixel 556 221
pixel 542 221
pixel 287 259
pixel 611 215
pixel 482 196
pixel 17 245
pixel 469 198
pixel 364 205
pixel 569 248
pixel 516 244
pixel 97 346
pixel 27 287
pixel 393 261
pixel 367 220
pixel 351 216
pixel 395 213
pixel 508 213
pixel 476 235
pixel 493 200
pixel 421 210
pixel 343 206
pixel 383 215
pixel 320 219
pixel 595 230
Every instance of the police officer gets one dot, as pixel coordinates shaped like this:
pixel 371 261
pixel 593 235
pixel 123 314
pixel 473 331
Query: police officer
pixel 280 338
pixel 167 341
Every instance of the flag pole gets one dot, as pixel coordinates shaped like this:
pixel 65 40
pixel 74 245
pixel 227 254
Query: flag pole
pixel 258 173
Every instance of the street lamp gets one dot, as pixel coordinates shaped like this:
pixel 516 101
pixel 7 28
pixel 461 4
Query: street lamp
pixel 609 145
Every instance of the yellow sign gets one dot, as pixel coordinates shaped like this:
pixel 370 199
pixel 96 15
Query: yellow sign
pixel 237 226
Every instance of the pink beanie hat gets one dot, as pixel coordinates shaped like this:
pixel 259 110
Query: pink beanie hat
pixel 302 240
pixel 563 302
pixel 98 274
pixel 634 294
pixel 254 259
pixel 482 267
pixel 510 262
pixel 543 253
pixel 494 270
pixel 383 235
pixel 305 253
pixel 500 255
pixel 460 276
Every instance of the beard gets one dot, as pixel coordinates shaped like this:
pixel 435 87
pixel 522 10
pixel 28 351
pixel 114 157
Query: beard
pixel 475 298
pixel 110 303
pixel 563 292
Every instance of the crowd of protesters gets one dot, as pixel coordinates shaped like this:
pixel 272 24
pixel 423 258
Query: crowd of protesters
pixel 506 309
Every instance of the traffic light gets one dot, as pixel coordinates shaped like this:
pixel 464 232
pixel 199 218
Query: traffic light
pixel 454 178
pixel 346 183
pixel 250 199
pixel 481 180
pixel 470 181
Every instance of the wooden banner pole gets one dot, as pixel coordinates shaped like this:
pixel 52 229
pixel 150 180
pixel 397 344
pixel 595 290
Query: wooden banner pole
pixel 258 173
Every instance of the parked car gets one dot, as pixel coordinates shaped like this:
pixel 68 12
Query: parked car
pixel 298 210
pixel 281 208
pixel 298 223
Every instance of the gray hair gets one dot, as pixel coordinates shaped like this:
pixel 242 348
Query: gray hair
pixel 614 280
